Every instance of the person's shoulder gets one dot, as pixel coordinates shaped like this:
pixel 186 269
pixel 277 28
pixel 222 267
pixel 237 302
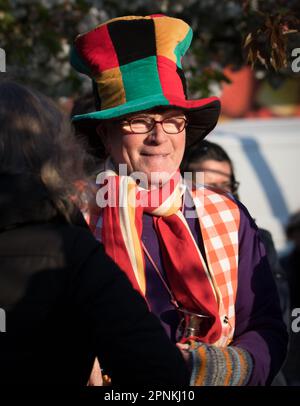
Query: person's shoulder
pixel 244 213
pixel 76 247
pixel 266 237
pixel 78 240
pixel 52 239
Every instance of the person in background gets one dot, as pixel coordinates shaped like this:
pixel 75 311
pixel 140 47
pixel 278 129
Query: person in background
pixel 217 168
pixel 291 263
pixel 186 255
pixel 66 301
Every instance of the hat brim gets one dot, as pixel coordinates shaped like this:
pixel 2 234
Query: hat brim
pixel 202 117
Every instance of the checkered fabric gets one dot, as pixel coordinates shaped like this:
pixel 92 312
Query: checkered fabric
pixel 219 218
pixel 209 291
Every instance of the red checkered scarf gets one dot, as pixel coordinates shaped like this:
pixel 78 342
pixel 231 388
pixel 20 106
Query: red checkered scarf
pixel 198 289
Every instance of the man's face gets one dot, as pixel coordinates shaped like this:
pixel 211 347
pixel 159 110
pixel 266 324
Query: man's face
pixel 154 151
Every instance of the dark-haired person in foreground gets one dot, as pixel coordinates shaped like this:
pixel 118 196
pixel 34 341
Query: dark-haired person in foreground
pixel 65 301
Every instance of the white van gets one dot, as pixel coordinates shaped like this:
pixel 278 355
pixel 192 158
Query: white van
pixel 266 157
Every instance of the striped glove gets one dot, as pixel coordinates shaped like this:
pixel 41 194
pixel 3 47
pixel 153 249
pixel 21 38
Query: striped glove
pixel 214 366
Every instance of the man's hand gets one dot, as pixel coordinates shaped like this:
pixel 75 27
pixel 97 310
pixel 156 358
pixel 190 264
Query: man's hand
pixel 184 348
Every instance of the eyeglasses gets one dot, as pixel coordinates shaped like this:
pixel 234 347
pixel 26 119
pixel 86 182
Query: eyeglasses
pixel 143 125
pixel 231 187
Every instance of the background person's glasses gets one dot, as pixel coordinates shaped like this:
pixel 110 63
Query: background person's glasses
pixel 231 187
pixel 228 186
pixel 143 125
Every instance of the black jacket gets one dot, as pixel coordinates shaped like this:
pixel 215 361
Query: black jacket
pixel 67 302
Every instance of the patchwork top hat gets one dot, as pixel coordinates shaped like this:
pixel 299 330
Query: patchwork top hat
pixel 135 65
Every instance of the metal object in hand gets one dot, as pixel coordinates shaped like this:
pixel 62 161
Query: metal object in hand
pixel 190 324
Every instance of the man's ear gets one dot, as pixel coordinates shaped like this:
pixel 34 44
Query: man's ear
pixel 102 132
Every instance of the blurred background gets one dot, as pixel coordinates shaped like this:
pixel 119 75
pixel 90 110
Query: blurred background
pixel 246 52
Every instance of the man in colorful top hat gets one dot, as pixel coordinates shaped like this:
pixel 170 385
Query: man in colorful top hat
pixel 187 252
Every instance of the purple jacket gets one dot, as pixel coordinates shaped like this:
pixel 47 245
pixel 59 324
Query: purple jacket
pixel 259 326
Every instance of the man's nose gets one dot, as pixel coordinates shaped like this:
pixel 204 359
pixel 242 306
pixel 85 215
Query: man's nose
pixel 158 135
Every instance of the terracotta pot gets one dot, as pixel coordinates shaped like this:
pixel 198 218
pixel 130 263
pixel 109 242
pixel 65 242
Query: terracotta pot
pixel 237 96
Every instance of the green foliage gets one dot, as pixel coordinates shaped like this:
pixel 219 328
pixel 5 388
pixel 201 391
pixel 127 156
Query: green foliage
pixel 37 35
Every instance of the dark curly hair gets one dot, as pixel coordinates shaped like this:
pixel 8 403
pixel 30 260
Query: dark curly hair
pixel 36 139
